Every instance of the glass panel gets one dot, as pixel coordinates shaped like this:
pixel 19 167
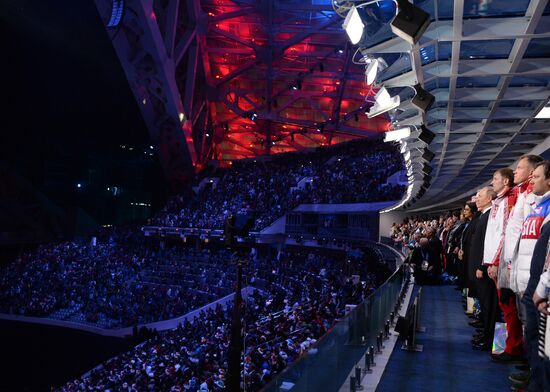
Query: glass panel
pixel 493 49
pixel 480 81
pixel 538 47
pixel 518 81
pixel 327 364
pixel 477 8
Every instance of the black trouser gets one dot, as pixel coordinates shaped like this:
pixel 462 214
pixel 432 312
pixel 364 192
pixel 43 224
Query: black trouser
pixel 488 300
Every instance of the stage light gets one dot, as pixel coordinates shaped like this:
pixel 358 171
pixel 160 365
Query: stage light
pixel 403 147
pixel 407 156
pixel 426 135
pixel 384 103
pixel 79 185
pixel 398 134
pixel 423 100
pixel 253 116
pixel 372 71
pixel 410 22
pixel 354 26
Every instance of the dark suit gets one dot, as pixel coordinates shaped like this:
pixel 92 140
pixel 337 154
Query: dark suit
pixel 418 255
pixel 486 288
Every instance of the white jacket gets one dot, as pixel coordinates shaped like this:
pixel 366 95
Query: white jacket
pixel 496 225
pixel 523 245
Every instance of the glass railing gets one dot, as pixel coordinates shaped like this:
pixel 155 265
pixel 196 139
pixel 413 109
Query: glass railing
pixel 327 364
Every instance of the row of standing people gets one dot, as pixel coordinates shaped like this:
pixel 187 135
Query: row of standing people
pixel 502 255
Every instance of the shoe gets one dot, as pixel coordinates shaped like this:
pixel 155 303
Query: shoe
pixel 520 379
pixel 476 324
pixel 506 358
pixel 481 346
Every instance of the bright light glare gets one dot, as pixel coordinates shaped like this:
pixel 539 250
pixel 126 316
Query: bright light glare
pixel 544 112
pixel 382 97
pixel 372 71
pixel 354 26
pixel 398 134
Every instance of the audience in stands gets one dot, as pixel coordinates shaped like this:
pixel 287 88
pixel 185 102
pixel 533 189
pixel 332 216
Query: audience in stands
pixel 112 285
pixel 357 172
pixel 499 251
pixel 299 298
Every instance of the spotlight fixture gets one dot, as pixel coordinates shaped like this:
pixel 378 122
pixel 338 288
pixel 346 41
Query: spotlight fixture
pixel 384 102
pixel 373 67
pixel 372 71
pixel 354 26
pixel 423 100
pixel 410 22
pixel 398 134
pixel 253 116
pixel 426 135
pixel 428 155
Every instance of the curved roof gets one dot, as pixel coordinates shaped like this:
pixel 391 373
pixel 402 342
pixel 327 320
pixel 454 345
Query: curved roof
pixel 232 79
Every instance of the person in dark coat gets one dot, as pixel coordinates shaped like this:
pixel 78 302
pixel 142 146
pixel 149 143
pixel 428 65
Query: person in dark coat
pixel 486 289
pixel 425 263
pixel 470 215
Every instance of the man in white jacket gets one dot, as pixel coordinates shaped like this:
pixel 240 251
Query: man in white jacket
pixel 503 181
pixel 530 243
pixel 517 255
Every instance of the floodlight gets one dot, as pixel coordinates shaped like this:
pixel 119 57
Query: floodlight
pixel 372 71
pixel 384 103
pixel 354 26
pixel 398 134
pixel 410 22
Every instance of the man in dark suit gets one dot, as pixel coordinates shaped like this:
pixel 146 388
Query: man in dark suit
pixel 486 289
pixel 424 260
pixel 436 247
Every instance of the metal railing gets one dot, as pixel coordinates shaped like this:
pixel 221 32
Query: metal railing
pixel 326 365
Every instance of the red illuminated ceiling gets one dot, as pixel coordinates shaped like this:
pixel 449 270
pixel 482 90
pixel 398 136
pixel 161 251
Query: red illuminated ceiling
pixel 201 69
pixel 291 65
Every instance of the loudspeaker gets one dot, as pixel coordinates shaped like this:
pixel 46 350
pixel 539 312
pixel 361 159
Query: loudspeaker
pixel 426 135
pixel 423 100
pixel 427 169
pixel 410 22
pixel 428 155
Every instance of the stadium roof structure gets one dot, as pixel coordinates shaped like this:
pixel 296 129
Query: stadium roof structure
pixel 233 79
pixel 222 79
pixel 488 65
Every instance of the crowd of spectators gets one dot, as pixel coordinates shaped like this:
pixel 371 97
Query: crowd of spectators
pixel 112 285
pixel 348 173
pixel 299 298
pixel 497 250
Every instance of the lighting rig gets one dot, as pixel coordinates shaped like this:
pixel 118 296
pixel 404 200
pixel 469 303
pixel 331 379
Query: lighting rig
pixel 409 23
